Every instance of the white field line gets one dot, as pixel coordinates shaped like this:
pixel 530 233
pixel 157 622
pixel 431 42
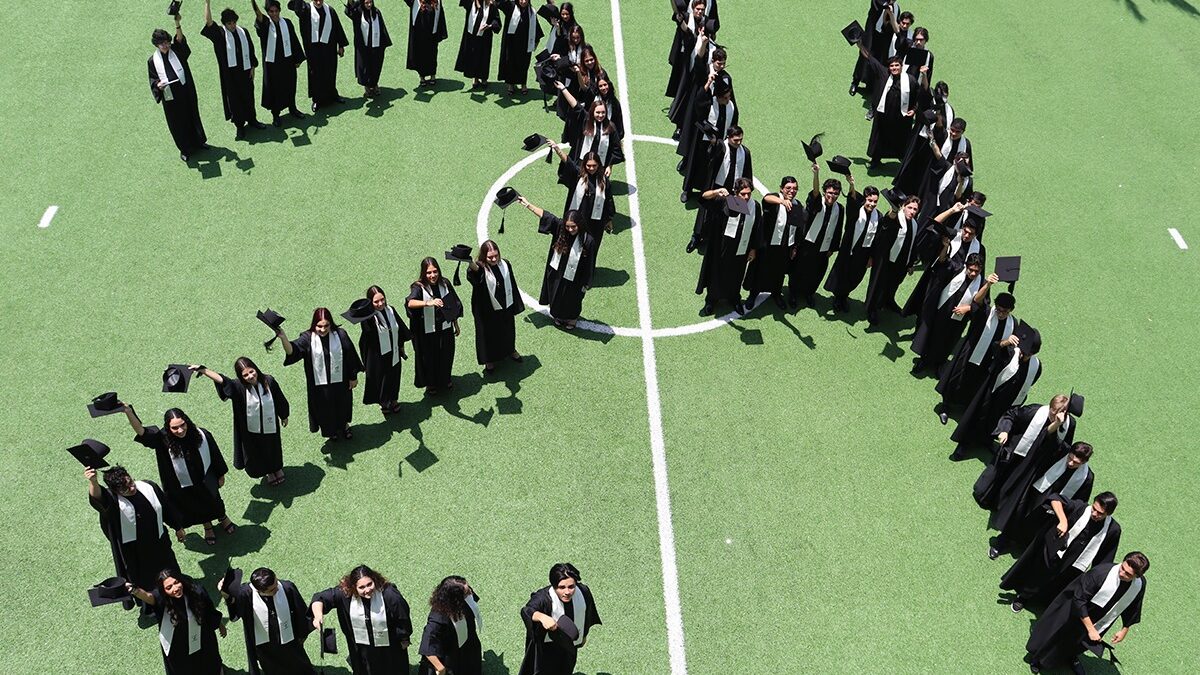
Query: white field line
pixel 51 210
pixel 662 490
pixel 1177 237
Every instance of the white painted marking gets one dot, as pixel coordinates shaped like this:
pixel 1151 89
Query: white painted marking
pixel 658 452
pixel 1178 238
pixel 47 216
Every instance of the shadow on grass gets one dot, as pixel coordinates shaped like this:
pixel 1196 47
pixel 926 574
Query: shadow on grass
pixel 1184 6
pixel 425 93
pixel 604 277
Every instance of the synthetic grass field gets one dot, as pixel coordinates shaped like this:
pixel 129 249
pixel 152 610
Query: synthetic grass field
pixel 817 524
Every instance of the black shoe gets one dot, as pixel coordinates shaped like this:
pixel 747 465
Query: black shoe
pixel 675 136
pixel 957 456
pixel 853 88
pixel 241 134
pixel 740 308
pixel 1077 668
pixel 276 121
pixel 691 245
pixel 295 112
pixel 778 299
pixel 1016 606
pixel 917 367
pixel 183 157
pixel 993 553
pixel 1035 667
pixel 943 418
pixel 707 309
pixel 683 197
pixel 258 125
pixel 811 299
pixel 314 106
pixel 793 301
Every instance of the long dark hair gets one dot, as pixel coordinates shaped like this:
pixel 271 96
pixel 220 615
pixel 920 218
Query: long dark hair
pixel 192 591
pixel 245 362
pixel 425 263
pixel 590 127
pixel 323 314
pixel 349 583
pixel 599 175
pixel 450 597
pixel 180 447
pixel 562 243
pixel 484 249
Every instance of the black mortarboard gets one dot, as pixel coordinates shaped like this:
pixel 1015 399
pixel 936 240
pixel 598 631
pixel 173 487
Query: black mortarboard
pixel 1008 268
pixel 105 404
pixel 90 453
pixel 328 642
pixel 893 197
pixel 1098 648
pixel 930 116
pixel 548 12
pixel 839 164
pixel 459 253
pixel 853 33
pixel 273 321
pixel 736 204
pixel 708 129
pixel 1075 405
pixel 721 86
pixel 360 310
pixel 505 197
pixel 963 169
pixel 813 148
pixel 452 308
pixel 108 591
pixel 567 632
pixel 231 580
pixel 173 8
pixel 543 55
pixel 176 378
pixel 976 211
pixel 533 142
pixel 1031 339
pixel 916 56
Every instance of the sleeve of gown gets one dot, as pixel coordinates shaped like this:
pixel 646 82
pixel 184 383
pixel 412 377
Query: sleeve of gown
pixel 153 80
pixel 151 438
pixel 297 6
pixel 329 598
pixel 283 409
pixel 618 151
pixel 103 503
pixel 431 639
pixel 538 602
pixel 403 333
pixel 253 51
pixel 403 618
pixel 181 49
pixel 1009 418
pixel 591 614
pixel 300 349
pixel 170 514
pixel 568 174
pixel 1086 587
pixel 218 467
pixel 212 32
pixel 475 275
pixel 549 223
pixel 233 603
pixel 227 388
pixel 414 293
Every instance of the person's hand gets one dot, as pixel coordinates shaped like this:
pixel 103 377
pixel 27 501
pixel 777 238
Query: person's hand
pixel 341 51
pixel 283 421
pixel 576 69
pixel 221 629
pixel 945 241
pixel 850 179
pixel 750 255
pixel 353 383
pixel 90 474
pixel 130 588
pixel 404 644
pixel 559 85
pixel 280 333
pixel 180 533
pixel 923 69
pixel 317 619
pixel 1094 635
pixel 608 227
pixel 523 202
pixel 1116 639
pixel 815 168
pixel 161 84
pixel 962 310
pixel 457 330
pixel 199 370
pixel 1063 527
pixel 993 278
pixel 221 585
pixel 221 481
pixel 910 113
pixel 549 623
pixel 1010 341
pixel 794 252
pixel 958 207
pixel 787 206
pixel 1002 438
pixel 437 302
pixel 722 192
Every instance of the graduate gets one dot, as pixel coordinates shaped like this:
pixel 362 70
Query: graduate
pixel 951 299
pixel 1080 616
pixel 702 60
pixel 816 246
pixel 892 257
pixel 134 517
pixel 587 194
pixel 324 42
pixel 1019 504
pixel 236 63
pixel 856 245
pixel 876 38
pixel 374 619
pixel 592 130
pixel 934 116
pixel 950 180
pixel 557 42
pixel 691 19
pixel 583 85
pixel 612 105
pixel 736 237
pixel 426 30
pixel 954 248
pixel 726 161
pixel 903 34
pixel 495 303
pixel 916 54
pixel 187 623
pixel 715 113
pixel 522 33
pixel 275 620
pixel 450 643
pixel 433 312
pixel 475 47
pixel 893 108
pixel 1014 371
pixel 567 44
pixel 371 39
pixel 782 218
pixel 1031 439
pixel 381 344
pixel 282 55
pixel 172 86
pixel 569 264
pixel 260 411
pixel 990 331
pixel 557 619
pixel 190 467
pixel 331 368
pixel 950 222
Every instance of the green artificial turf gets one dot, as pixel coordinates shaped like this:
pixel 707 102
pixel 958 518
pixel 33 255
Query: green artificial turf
pixel 818 525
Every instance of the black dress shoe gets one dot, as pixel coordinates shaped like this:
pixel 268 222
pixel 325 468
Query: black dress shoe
pixel 241 133
pixel 183 157
pixel 993 553
pixel 691 245
pixel 707 309
pixel 957 456
pixel 675 136
pixel 793 302
pixel 295 112
pixel 277 121
pixel 683 197
pixel 740 308
pixel 853 88
pixel 258 125
pixel 1016 606
pixel 943 418
pixel 314 106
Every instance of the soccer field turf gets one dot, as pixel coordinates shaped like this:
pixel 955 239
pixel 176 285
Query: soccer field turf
pixel 817 526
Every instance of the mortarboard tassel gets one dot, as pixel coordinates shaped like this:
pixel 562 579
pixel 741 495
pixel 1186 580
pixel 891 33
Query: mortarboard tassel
pixel 502 223
pixel 267 344
pixel 457 278
pixel 550 156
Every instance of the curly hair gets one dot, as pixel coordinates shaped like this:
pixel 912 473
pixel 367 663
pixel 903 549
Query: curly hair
pixel 450 597
pixel 180 447
pixel 349 583
pixel 192 592
pixel 562 243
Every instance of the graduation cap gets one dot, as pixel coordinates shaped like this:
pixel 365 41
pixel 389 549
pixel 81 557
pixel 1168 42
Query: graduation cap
pixel 506 196
pixel 108 591
pixel 567 632
pixel 231 580
pixel 533 142
pixel 813 148
pixel 1031 339
pixel 1098 648
pixel 962 169
pixel 176 378
pixel 360 310
pixel 548 12
pixel 916 56
pixel 840 165
pixel 328 642
pixel 708 129
pixel 736 204
pixel 977 211
pixel 460 253
pixel 105 404
pixel 893 197
pixel 90 453
pixel 930 116
pixel 541 56
pixel 273 321
pixel 1075 404
pixel 173 8
pixel 853 33
pixel 1008 268
pixel 452 308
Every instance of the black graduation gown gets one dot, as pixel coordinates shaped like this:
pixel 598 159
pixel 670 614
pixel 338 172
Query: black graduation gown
pixel 322 56
pixel 495 329
pixel 723 268
pixel 182 111
pixel 935 198
pixel 370 659
pixel 615 115
pixel 988 406
pixel 891 128
pixel 273 657
pixel 559 39
pixel 1010 473
pixel 279 75
pixel 694 143
pixel 691 85
pixel 583 143
pixel 1041 572
pixel 811 261
pixel 434 350
pixel 425 33
pixel 330 406
pixel 682 46
pixel 551 658
pixel 853 254
pixel 937 328
pixel 959 379
pixel 368 59
pixel 914 168
pixel 201 501
pixel 568 177
pixel 514 47
pixel 475 50
pixel 1017 510
pixel 887 274
pixel 772 259
pixel 920 292
pixel 383 378
pixel 441 640
pixel 206 660
pixel 140 560
pixel 871 40
pixel 1058 636
pixel 258 453
pixel 237 83
pixel 563 296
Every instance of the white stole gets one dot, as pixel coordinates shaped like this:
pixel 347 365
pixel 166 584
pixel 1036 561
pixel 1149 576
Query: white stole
pixel 901 237
pixel 388 331
pixel 129 513
pixel 865 227
pixel 828 215
pixel 1106 592
pixel 437 13
pixel 597 200
pixel 515 22
pixel 986 337
pixel 161 69
pixel 166 630
pixel 262 623
pixel 739 164
pixel 489 278
pixel 260 409
pixel 573 256
pixel 317 32
pixel 747 223
pixel 317 350
pixel 370 28
pixel 235 43
pixel 579 613
pixel 428 312
pixel 180 463
pixel 460 624
pixel 1088 554
pixel 714 115
pixel 1035 366
pixel 1036 425
pixel 596 142
pixel 1055 472
pixel 905 85
pixel 379 624
pixel 956 245
pixel 951 147
pixel 277 33
pixel 477 19
pixel 781 218
pixel 956 283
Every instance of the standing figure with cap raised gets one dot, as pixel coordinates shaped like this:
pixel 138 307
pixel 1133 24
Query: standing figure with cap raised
pixel 331 368
pixel 260 411
pixel 817 243
pixel 275 621
pixel 495 303
pixel 283 52
pixel 569 264
pixel 426 30
pixel 589 194
pixel 892 258
pixel 726 161
pixel 557 619
pixel 783 218
pixel 450 643
pixel 374 619
pixel 954 294
pixel 381 344
pixel 991 329
pixel 736 237
pixel 433 313
pixel 1015 369
pixel 324 43
pixel 188 623
pixel 236 62
pixel 893 107
pixel 856 247
pixel 172 86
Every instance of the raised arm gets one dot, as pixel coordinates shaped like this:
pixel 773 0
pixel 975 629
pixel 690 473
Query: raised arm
pixel 179 30
pixel 891 19
pixel 985 288
pixel 566 94
pixel 537 210
pixel 140 594
pixel 283 339
pixel 258 15
pixel 853 192
pixel 94 489
pixel 715 193
pixel 562 154
pixel 208 13
pixel 816 191
pixel 210 374
pixel 134 422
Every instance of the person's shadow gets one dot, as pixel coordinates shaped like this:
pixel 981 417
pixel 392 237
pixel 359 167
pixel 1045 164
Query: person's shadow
pixel 493 663
pixel 377 105
pixel 208 162
pixel 425 94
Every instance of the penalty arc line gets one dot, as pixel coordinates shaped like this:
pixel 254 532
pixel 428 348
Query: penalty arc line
pixel 1178 238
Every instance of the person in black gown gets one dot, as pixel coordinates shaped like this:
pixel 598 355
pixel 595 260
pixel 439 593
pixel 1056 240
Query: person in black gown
pixel 559 40
pixel 236 63
pixel 188 623
pixel 892 257
pixel 450 643
pixel 474 60
pixel 816 244
pixel 953 295
pixel 735 238
pixel 569 265
pixel 381 344
pixel 283 52
pixel 588 194
pixel 522 33
pixel 566 601
pixel 495 303
pixel 426 30
pixel 172 86
pixel 324 43
pixel 190 467
pixel 783 217
pixel 260 411
pixel 1019 510
pixel 1030 438
pixel 331 368
pixel 990 332
pixel 433 312
pixel 275 621
pixel 1014 371
pixel 856 246
pixel 894 107
pixel 691 19
pixel 371 39
pixel 374 619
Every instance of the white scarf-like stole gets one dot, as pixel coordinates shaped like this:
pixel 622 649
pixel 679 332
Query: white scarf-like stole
pixel 513 23
pixel 437 12
pixel 1036 426
pixel 180 463
pixel 370 28
pixel 950 147
pixel 262 621
pixel 901 237
pixel 905 84
pixel 235 42
pixel 691 17
pixel 988 336
pixel 319 32
pixel 781 218
pixel 597 142
pixel 597 200
pixel 826 220
pixel 260 409
pixel 739 164
pixel 573 256
pixel 1055 472
pixel 575 55
pixel 956 245
pixel 317 350
pixel 1106 592
pixel 166 630
pixel 277 33
pixel 865 227
pixel 892 46
pixel 579 613
pixel 379 625
pixel 967 295
pixel 428 312
pixel 161 69
pixel 720 116
pixel 489 278
pixel 1093 546
pixel 388 331
pixel 460 624
pixel 129 513
pixel 477 19
pixel 746 222
pixel 1035 366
